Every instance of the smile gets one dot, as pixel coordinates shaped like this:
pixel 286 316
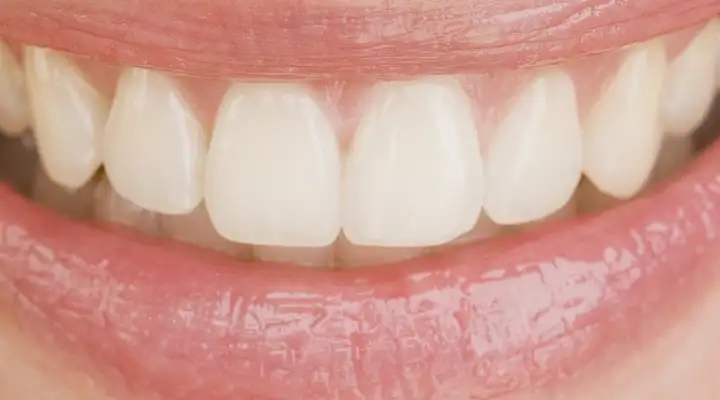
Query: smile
pixel 470 201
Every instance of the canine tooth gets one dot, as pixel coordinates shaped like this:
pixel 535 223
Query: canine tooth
pixel 688 94
pixel 273 168
pixel 110 207
pixel 154 147
pixel 304 256
pixel 14 112
pixel 196 228
pixel 69 115
pixel 623 131
pixel 534 161
pixel 413 177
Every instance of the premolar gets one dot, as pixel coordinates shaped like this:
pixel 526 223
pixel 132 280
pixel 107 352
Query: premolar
pixel 69 117
pixel 413 177
pixel 154 147
pixel 273 168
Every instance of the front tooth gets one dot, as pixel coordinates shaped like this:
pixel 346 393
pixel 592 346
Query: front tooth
pixel 14 113
pixel 534 161
pixel 623 131
pixel 414 174
pixel 273 168
pixel 69 116
pixel 154 147
pixel 688 93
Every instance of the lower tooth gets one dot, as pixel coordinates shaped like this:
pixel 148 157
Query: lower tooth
pixel 196 228
pixel 687 93
pixel 534 161
pixel 349 255
pixel 14 113
pixel 413 177
pixel 110 207
pixel 304 256
pixel 74 203
pixel 154 147
pixel 623 131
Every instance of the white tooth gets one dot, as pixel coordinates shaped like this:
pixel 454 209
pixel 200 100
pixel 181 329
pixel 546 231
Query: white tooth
pixel 414 174
pixel 688 93
pixel 534 161
pixel 154 147
pixel 623 131
pixel 197 229
pixel 304 256
pixel 273 168
pixel 352 256
pixel 110 207
pixel 14 113
pixel 69 116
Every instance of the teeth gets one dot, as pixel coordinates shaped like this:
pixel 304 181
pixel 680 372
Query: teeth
pixel 14 113
pixel 273 169
pixel 196 228
pixel 534 161
pixel 414 174
pixel 688 95
pixel 110 207
pixel 154 147
pixel 352 256
pixel 305 256
pixel 623 131
pixel 69 116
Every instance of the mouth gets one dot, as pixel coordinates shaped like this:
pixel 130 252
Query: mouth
pixel 301 221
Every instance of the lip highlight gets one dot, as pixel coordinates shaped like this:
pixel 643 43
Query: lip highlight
pixel 482 320
pixel 331 38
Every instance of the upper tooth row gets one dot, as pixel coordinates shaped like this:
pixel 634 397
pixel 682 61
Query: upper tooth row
pixel 273 173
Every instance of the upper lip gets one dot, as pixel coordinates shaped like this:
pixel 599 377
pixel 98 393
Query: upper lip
pixel 223 38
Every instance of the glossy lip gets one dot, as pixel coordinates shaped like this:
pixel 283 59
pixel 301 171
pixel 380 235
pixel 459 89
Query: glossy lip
pixel 331 38
pixel 485 319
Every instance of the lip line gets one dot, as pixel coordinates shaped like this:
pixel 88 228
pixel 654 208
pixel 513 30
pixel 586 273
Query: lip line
pixel 272 41
pixel 118 293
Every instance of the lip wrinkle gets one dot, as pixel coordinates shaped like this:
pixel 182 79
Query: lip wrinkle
pixel 483 320
pixel 330 38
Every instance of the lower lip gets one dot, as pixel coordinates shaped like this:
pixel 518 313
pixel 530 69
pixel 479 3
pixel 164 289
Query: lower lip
pixel 491 318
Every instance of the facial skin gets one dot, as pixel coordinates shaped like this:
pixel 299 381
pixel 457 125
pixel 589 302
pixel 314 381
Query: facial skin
pixel 96 312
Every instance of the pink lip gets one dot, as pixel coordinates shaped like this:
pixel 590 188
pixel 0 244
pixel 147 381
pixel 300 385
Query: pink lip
pixel 318 38
pixel 488 319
